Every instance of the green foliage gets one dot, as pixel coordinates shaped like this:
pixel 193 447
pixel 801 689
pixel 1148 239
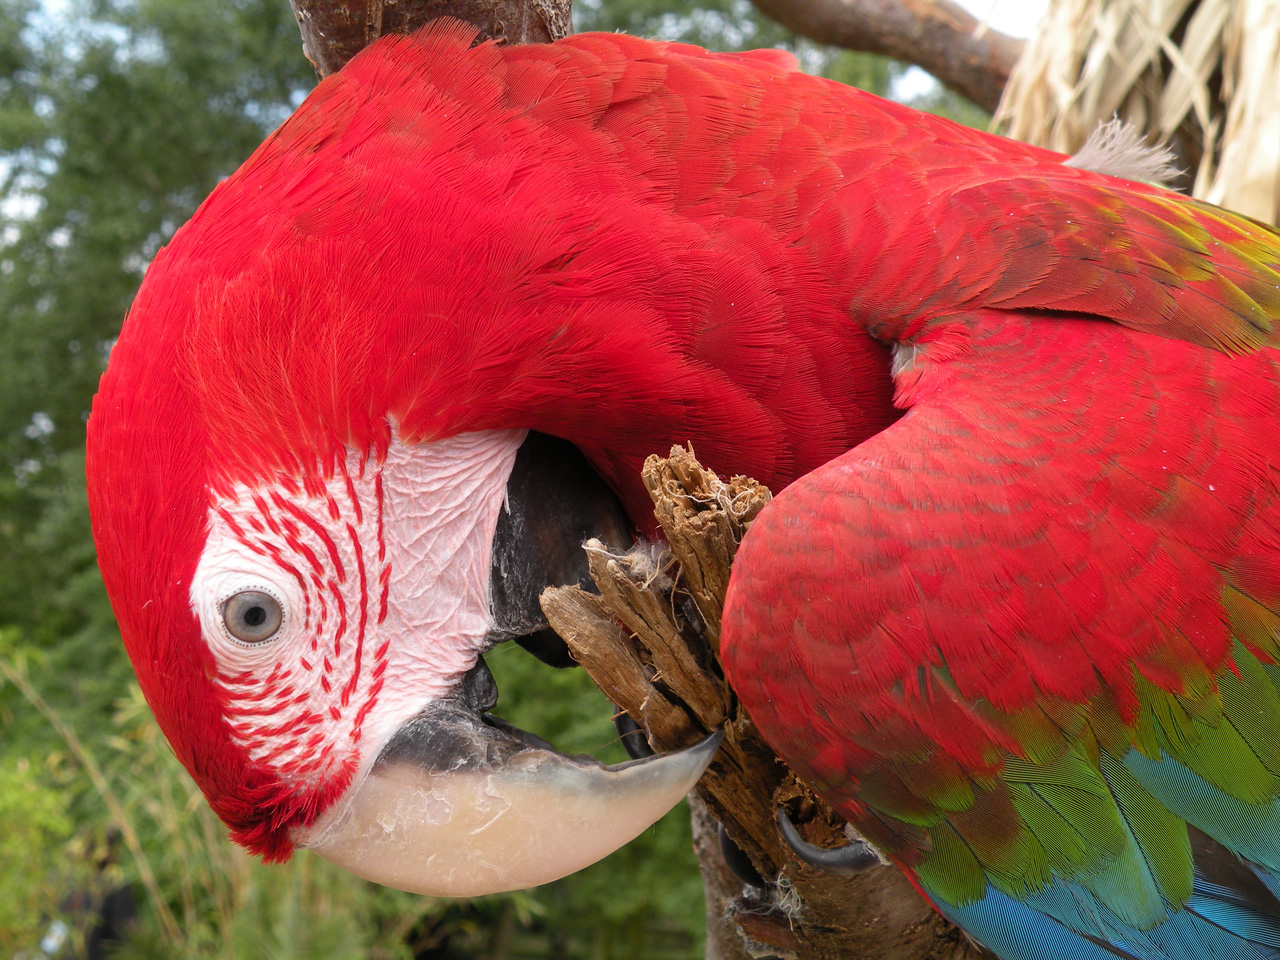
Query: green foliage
pixel 126 116
pixel 37 828
pixel 18 122
pixel 116 119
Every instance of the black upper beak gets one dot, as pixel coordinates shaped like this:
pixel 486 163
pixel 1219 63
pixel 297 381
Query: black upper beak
pixel 555 502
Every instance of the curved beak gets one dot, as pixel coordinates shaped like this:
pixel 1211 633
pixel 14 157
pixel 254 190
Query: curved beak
pixel 460 804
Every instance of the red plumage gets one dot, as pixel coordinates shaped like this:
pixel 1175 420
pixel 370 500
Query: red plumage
pixel 463 240
pixel 628 244
pixel 1058 513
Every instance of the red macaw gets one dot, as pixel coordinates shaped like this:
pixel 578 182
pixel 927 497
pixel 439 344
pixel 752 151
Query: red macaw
pixel 1014 612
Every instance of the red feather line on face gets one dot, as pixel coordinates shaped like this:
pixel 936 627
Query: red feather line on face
pixel 269 715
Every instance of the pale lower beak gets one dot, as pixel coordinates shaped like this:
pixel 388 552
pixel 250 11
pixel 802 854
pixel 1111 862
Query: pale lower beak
pixel 459 804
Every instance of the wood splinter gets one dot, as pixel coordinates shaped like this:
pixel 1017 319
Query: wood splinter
pixel 649 642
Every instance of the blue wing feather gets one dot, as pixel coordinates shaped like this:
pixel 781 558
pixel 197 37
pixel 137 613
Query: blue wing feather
pixel 1233 912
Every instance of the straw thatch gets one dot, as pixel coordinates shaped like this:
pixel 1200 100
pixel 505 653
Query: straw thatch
pixel 1203 75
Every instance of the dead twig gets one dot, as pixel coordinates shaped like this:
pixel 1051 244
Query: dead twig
pixel 648 641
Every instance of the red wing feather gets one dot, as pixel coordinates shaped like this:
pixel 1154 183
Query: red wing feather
pixel 1052 527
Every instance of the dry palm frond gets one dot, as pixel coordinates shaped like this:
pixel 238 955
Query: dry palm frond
pixel 1203 75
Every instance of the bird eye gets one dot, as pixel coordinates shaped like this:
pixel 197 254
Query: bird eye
pixel 252 616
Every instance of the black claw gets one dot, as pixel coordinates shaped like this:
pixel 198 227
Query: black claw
pixel 633 739
pixel 853 858
pixel 737 861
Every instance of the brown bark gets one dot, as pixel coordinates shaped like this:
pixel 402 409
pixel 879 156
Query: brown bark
pixel 334 31
pixel 937 35
pixel 648 642
pixel 720 886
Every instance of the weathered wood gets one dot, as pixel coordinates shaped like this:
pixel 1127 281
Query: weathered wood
pixel 937 35
pixel 720 886
pixel 334 31
pixel 648 643
pixel 608 654
pixel 627 591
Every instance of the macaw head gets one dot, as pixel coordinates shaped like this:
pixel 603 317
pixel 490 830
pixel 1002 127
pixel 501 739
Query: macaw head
pixel 323 471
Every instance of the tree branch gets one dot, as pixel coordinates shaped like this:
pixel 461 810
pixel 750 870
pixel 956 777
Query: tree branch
pixel 936 35
pixel 334 31
pixel 648 642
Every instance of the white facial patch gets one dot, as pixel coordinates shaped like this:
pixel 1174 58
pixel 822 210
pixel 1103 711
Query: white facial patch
pixel 382 573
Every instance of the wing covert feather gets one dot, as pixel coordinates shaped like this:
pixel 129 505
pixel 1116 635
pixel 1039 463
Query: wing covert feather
pixel 1065 555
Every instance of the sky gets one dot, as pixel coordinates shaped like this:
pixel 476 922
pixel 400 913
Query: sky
pixel 1017 18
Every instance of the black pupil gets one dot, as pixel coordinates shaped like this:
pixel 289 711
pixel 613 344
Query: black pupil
pixel 255 616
